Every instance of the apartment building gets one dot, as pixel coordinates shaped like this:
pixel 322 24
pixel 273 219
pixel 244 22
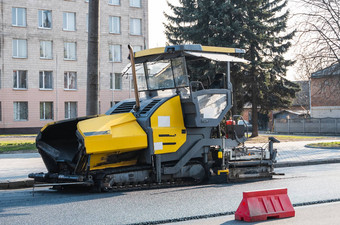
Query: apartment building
pixel 43 58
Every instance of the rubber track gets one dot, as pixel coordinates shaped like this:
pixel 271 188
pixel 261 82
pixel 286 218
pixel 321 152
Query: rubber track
pixel 226 213
pixel 148 186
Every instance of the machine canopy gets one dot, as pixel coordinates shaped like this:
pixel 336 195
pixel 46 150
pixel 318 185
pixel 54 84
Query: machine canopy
pixel 216 57
pixel 159 69
pixel 162 74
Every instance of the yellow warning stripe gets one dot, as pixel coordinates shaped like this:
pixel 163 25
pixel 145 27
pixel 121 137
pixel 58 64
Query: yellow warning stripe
pixel 161 50
pixel 151 51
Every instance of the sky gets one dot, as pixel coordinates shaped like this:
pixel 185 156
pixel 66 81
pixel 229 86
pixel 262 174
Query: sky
pixel 156 29
pixel 156 20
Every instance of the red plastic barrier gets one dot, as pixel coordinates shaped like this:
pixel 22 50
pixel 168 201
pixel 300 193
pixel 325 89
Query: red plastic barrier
pixel 259 205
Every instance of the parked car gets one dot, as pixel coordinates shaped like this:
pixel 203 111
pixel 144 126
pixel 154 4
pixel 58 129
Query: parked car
pixel 246 124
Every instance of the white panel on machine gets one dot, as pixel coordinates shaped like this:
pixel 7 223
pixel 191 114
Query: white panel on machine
pixel 163 121
pixel 158 146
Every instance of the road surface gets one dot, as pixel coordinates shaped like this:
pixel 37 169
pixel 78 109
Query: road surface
pixel 305 184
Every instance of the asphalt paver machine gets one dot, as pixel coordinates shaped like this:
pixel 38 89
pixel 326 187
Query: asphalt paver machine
pixel 163 135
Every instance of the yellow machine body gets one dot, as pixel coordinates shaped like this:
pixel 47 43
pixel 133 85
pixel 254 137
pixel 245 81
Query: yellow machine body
pixel 98 162
pixel 110 135
pixel 169 132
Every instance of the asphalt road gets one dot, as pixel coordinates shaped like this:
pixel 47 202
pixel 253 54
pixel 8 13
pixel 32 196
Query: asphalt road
pixel 305 184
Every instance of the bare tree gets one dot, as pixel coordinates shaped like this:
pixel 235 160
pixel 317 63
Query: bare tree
pixel 319 35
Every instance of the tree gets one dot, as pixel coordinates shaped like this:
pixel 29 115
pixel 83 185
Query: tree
pixel 319 35
pixel 257 26
pixel 194 22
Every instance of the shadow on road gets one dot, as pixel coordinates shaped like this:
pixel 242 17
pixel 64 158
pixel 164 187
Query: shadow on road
pixel 9 200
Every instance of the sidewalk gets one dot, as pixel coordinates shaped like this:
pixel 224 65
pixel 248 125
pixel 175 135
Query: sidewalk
pixel 296 154
pixel 14 168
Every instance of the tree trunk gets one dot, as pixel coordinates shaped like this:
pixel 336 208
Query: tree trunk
pixel 254 114
pixel 234 97
pixel 255 91
pixel 92 93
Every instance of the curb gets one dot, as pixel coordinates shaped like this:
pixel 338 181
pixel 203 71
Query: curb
pixel 307 146
pixel 306 163
pixel 16 184
pixel 28 183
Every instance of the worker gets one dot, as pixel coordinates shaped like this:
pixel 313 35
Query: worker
pixel 218 81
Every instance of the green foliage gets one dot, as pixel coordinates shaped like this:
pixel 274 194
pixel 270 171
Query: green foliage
pixel 335 144
pixel 259 26
pixel 9 146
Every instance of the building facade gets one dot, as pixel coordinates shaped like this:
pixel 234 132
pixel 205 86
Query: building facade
pixel 44 58
pixel 325 92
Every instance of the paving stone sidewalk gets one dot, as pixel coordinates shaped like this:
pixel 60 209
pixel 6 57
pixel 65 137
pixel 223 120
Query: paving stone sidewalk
pixel 296 153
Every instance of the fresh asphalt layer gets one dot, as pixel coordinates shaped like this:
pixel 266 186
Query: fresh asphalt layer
pixel 305 185
pixel 14 168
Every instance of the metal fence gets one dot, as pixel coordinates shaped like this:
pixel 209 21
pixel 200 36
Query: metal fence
pixel 310 125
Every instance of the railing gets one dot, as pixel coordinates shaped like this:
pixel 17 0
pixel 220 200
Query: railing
pixel 310 125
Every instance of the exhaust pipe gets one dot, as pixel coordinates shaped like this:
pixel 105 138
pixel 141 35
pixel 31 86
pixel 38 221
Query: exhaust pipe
pixel 132 59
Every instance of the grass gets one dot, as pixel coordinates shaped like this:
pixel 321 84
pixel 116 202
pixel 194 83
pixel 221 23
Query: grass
pixel 299 137
pixel 18 145
pixel 334 144
pixel 287 138
pixel 18 135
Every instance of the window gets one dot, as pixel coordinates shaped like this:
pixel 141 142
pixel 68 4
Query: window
pixel 135 3
pixel 19 17
pixel 45 18
pixel 141 83
pixel 131 84
pixel 114 25
pixel 137 48
pixel 69 21
pixel 135 26
pixel 115 81
pixel 115 53
pixel 70 110
pixel 20 111
pixel 46 49
pixel 46 110
pixel 19 48
pixel 0 112
pixel 70 51
pixel 45 80
pixel 20 79
pixel 70 80
pixel 114 2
